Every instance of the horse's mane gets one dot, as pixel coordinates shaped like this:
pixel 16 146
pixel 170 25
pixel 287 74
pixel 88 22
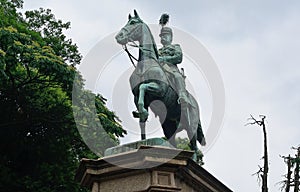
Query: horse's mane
pixel 153 42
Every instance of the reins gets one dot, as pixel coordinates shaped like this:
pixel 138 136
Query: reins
pixel 130 55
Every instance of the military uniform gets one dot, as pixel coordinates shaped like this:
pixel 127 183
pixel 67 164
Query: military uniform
pixel 169 57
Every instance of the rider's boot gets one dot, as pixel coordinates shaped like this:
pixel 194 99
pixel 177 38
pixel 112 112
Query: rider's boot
pixel 184 122
pixel 183 100
pixel 182 93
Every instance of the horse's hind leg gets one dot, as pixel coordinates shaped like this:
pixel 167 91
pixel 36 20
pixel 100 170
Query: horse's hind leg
pixel 169 128
pixel 192 134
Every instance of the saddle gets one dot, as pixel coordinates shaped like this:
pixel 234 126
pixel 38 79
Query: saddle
pixel 169 72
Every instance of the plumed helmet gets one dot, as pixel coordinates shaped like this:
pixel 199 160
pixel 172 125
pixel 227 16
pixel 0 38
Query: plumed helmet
pixel 164 19
pixel 165 30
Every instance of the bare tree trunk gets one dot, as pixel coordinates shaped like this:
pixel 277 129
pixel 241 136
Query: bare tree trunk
pixel 262 172
pixel 266 166
pixel 288 175
pixel 296 188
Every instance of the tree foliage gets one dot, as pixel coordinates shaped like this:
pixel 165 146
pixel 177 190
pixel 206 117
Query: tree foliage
pixel 184 143
pixel 291 179
pixel 40 144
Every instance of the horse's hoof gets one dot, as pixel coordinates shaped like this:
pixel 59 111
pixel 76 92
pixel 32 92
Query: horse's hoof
pixel 195 157
pixel 136 114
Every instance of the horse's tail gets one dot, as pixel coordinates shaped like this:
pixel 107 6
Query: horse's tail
pixel 200 135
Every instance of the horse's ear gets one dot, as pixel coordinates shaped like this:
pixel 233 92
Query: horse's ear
pixel 129 16
pixel 136 14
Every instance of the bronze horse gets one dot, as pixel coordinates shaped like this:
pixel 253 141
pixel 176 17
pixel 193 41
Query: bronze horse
pixel 149 82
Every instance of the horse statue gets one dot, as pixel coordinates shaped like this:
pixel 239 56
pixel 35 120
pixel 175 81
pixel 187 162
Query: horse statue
pixel 150 82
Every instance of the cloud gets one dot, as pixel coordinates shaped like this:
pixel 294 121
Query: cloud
pixel 256 47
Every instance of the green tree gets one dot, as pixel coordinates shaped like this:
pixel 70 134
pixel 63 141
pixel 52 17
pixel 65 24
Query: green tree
pixel 40 145
pixel 184 143
pixel 292 179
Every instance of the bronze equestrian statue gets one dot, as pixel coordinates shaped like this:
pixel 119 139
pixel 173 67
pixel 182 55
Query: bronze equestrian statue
pixel 151 81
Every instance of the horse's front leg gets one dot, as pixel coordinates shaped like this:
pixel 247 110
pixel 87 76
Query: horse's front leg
pixel 143 113
pixel 145 87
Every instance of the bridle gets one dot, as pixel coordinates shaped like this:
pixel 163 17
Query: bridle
pixel 131 57
pixel 131 43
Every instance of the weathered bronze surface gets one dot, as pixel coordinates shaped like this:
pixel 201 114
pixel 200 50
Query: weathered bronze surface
pixel 135 145
pixel 152 81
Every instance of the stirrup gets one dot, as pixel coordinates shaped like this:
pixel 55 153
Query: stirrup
pixel 182 100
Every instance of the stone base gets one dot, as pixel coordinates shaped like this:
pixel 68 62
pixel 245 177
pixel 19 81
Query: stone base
pixel 135 145
pixel 147 169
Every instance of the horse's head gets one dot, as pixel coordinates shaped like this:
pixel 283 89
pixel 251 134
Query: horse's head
pixel 132 31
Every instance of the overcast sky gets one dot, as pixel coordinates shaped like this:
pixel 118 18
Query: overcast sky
pixel 255 45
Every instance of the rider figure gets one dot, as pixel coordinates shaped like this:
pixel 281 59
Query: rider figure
pixel 170 55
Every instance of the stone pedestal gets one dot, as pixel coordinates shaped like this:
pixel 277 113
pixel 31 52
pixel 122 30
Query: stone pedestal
pixel 147 169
